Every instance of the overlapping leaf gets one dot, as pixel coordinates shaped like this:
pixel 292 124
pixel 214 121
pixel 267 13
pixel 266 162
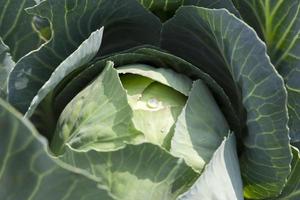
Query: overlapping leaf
pixel 28 172
pixel 81 56
pixel 165 9
pixel 72 22
pixel 227 49
pixel 197 135
pixel 99 117
pixel 16 29
pixel 54 97
pixel 154 94
pixel 221 178
pixel 143 171
pixel 212 40
pixel 278 24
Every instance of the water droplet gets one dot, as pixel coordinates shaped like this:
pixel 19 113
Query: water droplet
pixel 163 130
pixel 153 103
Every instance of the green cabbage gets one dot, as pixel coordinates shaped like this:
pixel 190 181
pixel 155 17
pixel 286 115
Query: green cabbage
pixel 149 99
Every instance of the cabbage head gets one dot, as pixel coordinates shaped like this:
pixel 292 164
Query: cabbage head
pixel 149 99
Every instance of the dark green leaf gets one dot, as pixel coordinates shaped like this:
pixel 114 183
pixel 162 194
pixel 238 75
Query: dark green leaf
pixel 85 53
pixel 16 28
pixel 127 24
pixel 165 9
pixel 228 50
pixel 278 24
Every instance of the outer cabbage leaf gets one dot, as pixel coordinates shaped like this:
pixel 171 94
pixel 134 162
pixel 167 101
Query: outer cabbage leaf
pixel 165 9
pixel 144 171
pixel 277 23
pixel 79 58
pixel 221 178
pixel 73 21
pixel 27 171
pixel 16 29
pixel 227 49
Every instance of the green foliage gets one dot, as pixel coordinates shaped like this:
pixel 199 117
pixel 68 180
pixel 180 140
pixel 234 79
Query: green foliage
pixel 277 23
pixel 149 99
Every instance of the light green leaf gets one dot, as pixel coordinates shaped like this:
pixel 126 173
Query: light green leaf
pixel 157 112
pixel 127 24
pixel 155 94
pixel 16 29
pixel 28 172
pixel 221 178
pixel 152 101
pixel 143 171
pixel 6 65
pixel 168 77
pixel 229 50
pixel 200 128
pixel 278 24
pixel 99 117
pixel 81 56
pixel 165 9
